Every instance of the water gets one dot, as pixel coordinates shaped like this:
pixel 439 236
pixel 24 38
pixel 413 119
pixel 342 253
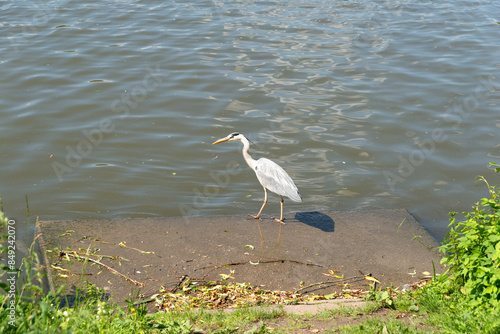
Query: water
pixel 109 109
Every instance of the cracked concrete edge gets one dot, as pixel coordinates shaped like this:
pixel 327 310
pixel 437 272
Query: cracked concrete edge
pixel 313 307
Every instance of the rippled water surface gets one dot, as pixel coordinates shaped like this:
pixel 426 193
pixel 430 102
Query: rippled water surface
pixel 109 109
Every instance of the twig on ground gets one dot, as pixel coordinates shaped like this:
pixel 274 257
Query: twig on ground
pixel 260 262
pixel 183 278
pixel 343 280
pixel 73 254
pixel 122 244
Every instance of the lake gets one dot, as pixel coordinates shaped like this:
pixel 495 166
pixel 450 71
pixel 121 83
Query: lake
pixel 109 109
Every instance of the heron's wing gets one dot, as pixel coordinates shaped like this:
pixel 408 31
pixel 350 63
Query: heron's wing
pixel 274 178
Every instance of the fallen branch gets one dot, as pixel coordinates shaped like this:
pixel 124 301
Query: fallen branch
pixel 183 278
pixel 86 258
pixel 112 257
pixel 122 244
pixel 343 280
pixel 260 262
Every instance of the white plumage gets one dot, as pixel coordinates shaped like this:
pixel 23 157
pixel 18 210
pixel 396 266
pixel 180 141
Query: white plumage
pixel 270 175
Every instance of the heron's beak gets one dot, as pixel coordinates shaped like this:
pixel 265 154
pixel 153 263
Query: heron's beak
pixel 220 141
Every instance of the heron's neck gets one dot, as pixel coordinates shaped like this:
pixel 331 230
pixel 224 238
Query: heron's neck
pixel 246 155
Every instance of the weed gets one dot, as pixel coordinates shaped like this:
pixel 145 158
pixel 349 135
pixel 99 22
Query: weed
pixel 385 297
pixel 472 251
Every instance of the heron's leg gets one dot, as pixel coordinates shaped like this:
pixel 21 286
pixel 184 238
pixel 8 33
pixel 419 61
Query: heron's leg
pixel 263 205
pixel 281 214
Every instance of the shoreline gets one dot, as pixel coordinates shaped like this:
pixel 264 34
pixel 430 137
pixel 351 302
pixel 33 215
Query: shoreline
pixel 149 253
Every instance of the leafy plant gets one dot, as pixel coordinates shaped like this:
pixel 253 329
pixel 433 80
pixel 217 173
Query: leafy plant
pixel 384 297
pixel 472 250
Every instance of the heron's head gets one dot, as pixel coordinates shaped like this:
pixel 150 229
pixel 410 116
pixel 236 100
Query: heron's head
pixel 235 136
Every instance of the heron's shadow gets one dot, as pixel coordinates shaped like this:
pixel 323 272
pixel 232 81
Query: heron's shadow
pixel 316 219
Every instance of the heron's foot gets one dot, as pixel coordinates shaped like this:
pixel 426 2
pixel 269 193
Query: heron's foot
pixel 254 217
pixel 279 221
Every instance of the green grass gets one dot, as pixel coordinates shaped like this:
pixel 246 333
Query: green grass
pixel 465 299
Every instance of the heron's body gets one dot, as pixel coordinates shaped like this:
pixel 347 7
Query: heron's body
pixel 275 179
pixel 270 175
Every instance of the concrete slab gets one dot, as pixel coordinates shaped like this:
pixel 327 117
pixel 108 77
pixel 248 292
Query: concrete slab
pixel 155 252
pixel 314 307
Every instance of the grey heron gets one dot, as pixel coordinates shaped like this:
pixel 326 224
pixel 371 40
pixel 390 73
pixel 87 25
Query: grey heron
pixel 270 175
